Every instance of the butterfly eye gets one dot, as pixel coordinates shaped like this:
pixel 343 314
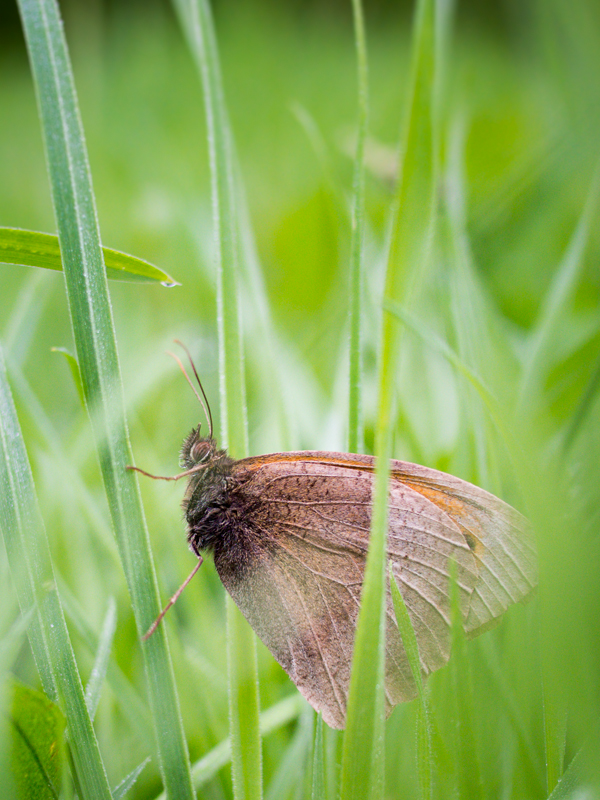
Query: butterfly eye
pixel 199 452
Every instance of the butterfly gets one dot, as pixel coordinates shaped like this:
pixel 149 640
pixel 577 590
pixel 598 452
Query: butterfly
pixel 289 534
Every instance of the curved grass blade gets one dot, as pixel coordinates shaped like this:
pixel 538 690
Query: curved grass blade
pixel 36 249
pixel 558 295
pixel 121 790
pixel 74 367
pixel 93 331
pixel 362 761
pixel 98 675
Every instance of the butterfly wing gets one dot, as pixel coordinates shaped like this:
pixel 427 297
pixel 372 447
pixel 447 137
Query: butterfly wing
pixel 500 538
pixel 300 563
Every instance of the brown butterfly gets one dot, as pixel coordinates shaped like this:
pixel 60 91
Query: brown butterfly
pixel 289 535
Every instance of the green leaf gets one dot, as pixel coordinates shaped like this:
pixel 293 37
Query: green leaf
pixel 35 249
pixel 37 757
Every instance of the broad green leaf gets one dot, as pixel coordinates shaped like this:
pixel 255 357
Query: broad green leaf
pixel 38 728
pixel 35 249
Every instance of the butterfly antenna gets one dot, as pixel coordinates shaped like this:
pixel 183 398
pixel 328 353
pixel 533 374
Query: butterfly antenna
pixel 172 601
pixel 202 400
pixel 206 404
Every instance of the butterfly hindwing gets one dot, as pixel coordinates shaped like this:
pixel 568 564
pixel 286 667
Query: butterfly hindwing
pixel 306 527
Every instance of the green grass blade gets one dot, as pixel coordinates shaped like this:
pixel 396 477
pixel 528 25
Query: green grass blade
pixel 242 669
pixel 424 735
pixel 93 332
pixel 362 762
pixel 272 719
pixel 98 675
pixel 132 706
pixel 583 408
pixel 35 249
pixel 582 776
pixel 318 776
pixel 198 27
pixel 355 422
pixel 31 568
pixel 560 292
pixel 11 641
pixel 121 790
pixel 289 778
pixel 74 368
pixel 440 346
pixel 466 751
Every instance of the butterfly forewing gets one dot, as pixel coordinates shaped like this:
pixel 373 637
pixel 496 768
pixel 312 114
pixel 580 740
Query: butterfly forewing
pixel 305 538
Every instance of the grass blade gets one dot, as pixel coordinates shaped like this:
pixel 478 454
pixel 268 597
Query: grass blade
pixel 93 331
pixel 424 737
pixel 362 763
pixel 318 776
pixel 272 719
pixel 355 422
pixel 197 23
pixel 35 249
pixel 582 776
pixel 98 675
pixel 121 790
pixel 469 771
pixel 558 295
pixel 31 567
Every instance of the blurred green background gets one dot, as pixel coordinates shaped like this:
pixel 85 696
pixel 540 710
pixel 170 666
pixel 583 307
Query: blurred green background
pixel 520 111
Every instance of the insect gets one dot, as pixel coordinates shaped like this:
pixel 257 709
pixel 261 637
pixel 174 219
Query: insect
pixel 289 536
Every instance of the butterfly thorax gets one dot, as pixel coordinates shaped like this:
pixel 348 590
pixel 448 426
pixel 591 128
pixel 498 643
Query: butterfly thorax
pixel 208 507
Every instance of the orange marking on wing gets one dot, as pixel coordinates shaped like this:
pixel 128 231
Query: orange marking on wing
pixel 452 506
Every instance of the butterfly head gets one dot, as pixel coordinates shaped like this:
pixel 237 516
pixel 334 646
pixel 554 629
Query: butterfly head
pixel 197 449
